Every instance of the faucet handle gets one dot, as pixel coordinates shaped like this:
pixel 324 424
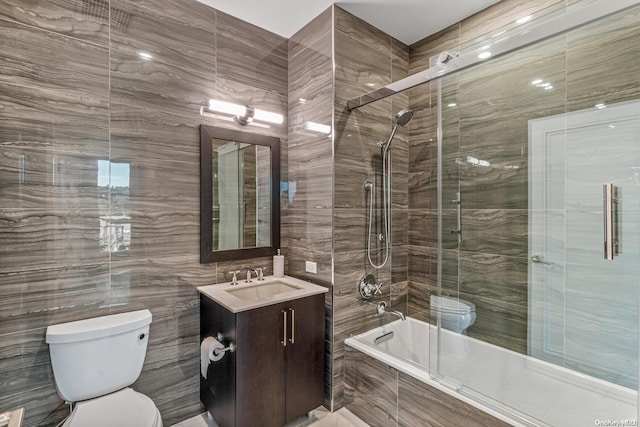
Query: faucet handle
pixel 234 279
pixel 260 271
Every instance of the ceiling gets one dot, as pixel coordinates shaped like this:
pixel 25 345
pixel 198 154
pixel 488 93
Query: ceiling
pixel 407 20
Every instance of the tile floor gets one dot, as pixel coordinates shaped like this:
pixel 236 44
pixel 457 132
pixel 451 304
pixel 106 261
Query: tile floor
pixel 321 418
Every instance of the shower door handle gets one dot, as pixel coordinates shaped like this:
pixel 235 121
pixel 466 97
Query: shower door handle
pixel 458 229
pixel 607 190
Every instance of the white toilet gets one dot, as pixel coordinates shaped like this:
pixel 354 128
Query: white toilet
pixel 455 314
pixel 94 361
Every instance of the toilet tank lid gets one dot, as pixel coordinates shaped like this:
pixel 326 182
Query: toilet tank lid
pixel 97 327
pixel 449 304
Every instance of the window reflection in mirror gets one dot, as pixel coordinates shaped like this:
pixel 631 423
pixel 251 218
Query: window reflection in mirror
pixel 241 195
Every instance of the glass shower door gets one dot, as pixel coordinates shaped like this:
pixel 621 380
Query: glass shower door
pixel 539 226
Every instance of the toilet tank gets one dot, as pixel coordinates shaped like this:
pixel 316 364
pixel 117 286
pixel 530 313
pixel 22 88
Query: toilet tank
pixel 97 356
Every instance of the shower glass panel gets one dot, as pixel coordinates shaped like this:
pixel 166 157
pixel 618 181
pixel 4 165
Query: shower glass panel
pixel 528 146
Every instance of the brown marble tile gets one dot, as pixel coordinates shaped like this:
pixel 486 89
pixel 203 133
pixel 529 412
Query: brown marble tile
pixel 169 41
pixel 250 55
pixel 498 322
pixel 191 12
pixel 310 229
pixel 373 390
pixel 358 29
pixel 296 265
pixel 421 51
pixel 496 277
pixel 158 87
pixel 399 264
pixel 53 63
pixel 42 406
pixel 19 377
pixel 52 238
pixel 40 178
pixel 84 20
pixel 34 298
pixel 308 36
pixel 351 229
pixel 418 297
pixel 399 297
pixel 496 231
pixel 311 71
pixel 419 404
pixel 310 170
pixel 588 60
pixel 502 16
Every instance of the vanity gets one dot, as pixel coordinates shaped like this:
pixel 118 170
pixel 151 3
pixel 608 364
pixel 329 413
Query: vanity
pixel 275 373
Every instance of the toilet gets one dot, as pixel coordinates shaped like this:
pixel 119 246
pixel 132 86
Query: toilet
pixel 455 314
pixel 95 361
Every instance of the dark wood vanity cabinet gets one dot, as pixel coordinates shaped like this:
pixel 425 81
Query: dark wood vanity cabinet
pixel 276 373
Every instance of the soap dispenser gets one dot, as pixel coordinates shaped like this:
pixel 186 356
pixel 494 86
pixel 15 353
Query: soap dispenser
pixel 278 265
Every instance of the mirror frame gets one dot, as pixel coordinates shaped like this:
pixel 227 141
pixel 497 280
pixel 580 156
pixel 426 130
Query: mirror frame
pixel 207 254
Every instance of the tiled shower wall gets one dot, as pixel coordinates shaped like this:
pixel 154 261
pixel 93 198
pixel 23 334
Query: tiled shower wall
pixel 91 134
pixel 365 58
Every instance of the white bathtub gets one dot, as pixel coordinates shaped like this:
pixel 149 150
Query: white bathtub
pixel 510 386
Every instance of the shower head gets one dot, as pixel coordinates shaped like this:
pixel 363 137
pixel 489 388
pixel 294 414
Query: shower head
pixel 402 119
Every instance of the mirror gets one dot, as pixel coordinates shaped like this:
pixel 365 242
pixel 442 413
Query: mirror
pixel 239 194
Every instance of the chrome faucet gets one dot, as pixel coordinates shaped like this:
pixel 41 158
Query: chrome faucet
pixel 234 279
pixel 382 308
pixel 259 273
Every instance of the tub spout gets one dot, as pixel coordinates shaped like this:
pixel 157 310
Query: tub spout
pixel 382 308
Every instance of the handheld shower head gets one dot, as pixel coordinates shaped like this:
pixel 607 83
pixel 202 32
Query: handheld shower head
pixel 402 119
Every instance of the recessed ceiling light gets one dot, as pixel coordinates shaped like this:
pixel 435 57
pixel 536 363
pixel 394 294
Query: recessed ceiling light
pixel 484 55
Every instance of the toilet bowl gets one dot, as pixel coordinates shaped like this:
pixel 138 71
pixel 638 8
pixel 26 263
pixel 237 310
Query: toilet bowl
pixel 455 314
pixel 95 361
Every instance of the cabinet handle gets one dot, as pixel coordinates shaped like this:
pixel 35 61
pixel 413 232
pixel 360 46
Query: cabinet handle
pixel 293 326
pixel 284 332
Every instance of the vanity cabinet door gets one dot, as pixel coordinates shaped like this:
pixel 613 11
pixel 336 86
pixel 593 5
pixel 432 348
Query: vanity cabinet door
pixel 305 356
pixel 260 374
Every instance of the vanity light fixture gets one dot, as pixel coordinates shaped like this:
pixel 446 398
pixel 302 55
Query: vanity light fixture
pixel 245 114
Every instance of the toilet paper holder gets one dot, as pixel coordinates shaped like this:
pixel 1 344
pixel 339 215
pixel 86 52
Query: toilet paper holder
pixel 231 347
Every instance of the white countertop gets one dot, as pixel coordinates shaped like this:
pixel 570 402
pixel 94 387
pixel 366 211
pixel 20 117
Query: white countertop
pixel 219 293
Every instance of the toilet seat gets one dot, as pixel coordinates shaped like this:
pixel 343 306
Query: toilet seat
pixel 445 304
pixel 124 408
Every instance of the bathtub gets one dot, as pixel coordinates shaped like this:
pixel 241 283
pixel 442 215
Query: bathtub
pixel 517 389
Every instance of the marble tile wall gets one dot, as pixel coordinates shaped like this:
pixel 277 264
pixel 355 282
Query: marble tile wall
pixel 366 58
pixel 309 200
pixel 383 396
pixel 92 134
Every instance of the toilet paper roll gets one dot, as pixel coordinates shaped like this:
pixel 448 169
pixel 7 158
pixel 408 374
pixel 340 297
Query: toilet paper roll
pixel 208 353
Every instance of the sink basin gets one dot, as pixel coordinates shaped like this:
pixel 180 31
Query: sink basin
pixel 248 296
pixel 261 291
